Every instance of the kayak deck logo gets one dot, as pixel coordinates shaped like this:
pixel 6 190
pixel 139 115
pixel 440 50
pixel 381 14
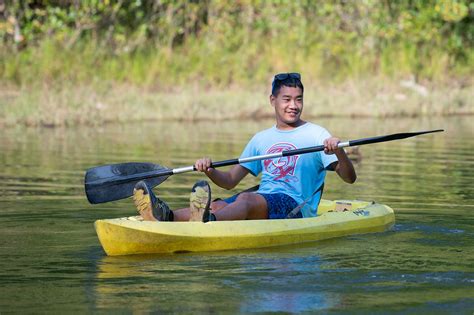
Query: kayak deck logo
pixel 361 212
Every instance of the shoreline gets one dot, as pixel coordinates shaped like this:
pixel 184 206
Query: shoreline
pixel 65 106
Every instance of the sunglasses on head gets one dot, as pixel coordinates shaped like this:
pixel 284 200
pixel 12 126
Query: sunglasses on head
pixel 284 76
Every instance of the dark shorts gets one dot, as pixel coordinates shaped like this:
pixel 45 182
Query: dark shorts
pixel 278 205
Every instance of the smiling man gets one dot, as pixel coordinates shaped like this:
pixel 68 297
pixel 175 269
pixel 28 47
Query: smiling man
pixel 287 183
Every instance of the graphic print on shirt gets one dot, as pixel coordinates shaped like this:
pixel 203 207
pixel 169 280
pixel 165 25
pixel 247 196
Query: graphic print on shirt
pixel 282 168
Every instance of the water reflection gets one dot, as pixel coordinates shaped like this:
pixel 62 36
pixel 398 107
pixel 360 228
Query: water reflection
pixel 52 261
pixel 242 281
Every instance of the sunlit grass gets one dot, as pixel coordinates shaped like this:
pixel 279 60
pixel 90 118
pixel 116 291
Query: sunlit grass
pixel 87 84
pixel 86 104
pixel 214 66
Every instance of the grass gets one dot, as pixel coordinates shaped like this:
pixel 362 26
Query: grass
pixel 88 105
pixel 86 84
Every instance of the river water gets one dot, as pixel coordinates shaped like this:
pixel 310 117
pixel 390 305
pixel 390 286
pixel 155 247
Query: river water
pixel 51 260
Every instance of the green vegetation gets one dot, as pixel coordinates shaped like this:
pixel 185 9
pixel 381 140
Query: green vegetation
pixel 94 61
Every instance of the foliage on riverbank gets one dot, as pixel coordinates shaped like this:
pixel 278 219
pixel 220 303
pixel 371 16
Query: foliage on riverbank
pixel 87 105
pixel 60 59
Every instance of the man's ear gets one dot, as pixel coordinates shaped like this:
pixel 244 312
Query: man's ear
pixel 272 100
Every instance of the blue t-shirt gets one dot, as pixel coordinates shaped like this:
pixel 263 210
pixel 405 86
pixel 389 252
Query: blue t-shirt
pixel 298 176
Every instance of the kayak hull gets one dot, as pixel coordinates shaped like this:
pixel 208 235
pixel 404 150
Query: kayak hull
pixel 130 235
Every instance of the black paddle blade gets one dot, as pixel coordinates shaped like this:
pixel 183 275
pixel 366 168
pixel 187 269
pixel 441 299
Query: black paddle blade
pixel 116 181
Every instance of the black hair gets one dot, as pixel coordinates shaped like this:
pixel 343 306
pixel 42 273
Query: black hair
pixel 289 81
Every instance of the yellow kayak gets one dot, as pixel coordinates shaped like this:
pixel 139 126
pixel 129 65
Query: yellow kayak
pixel 131 235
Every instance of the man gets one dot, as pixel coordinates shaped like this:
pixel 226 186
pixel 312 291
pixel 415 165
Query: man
pixel 286 183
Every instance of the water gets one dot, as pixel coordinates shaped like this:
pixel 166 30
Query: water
pixel 51 260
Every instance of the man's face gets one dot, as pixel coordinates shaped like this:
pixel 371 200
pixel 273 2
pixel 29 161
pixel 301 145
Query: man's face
pixel 288 106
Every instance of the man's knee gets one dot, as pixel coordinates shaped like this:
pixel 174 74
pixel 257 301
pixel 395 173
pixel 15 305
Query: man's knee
pixel 245 197
pixel 255 204
pixel 252 200
pixel 218 204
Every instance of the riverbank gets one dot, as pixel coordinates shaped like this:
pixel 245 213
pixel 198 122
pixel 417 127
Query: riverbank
pixel 96 104
pixel 91 63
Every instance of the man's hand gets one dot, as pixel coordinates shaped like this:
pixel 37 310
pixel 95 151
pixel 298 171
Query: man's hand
pixel 344 167
pixel 227 179
pixel 330 145
pixel 203 165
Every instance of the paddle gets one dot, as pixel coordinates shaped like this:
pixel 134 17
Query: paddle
pixel 116 181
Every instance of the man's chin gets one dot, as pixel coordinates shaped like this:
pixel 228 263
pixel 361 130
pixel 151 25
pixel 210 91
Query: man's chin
pixel 293 121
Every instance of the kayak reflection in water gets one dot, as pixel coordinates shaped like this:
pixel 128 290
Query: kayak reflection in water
pixel 290 187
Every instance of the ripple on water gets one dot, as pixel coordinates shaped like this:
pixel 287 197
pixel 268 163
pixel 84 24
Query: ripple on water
pixel 53 262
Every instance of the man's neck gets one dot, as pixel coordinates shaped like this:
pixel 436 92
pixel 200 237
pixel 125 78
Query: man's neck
pixel 283 126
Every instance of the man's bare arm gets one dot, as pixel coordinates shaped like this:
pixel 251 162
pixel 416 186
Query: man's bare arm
pixel 225 179
pixel 343 166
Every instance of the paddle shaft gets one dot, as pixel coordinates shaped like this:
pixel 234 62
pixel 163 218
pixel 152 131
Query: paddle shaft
pixel 351 143
pixel 169 172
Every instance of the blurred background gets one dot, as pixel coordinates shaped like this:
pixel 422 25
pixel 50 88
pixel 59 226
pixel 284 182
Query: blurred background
pixel 69 62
